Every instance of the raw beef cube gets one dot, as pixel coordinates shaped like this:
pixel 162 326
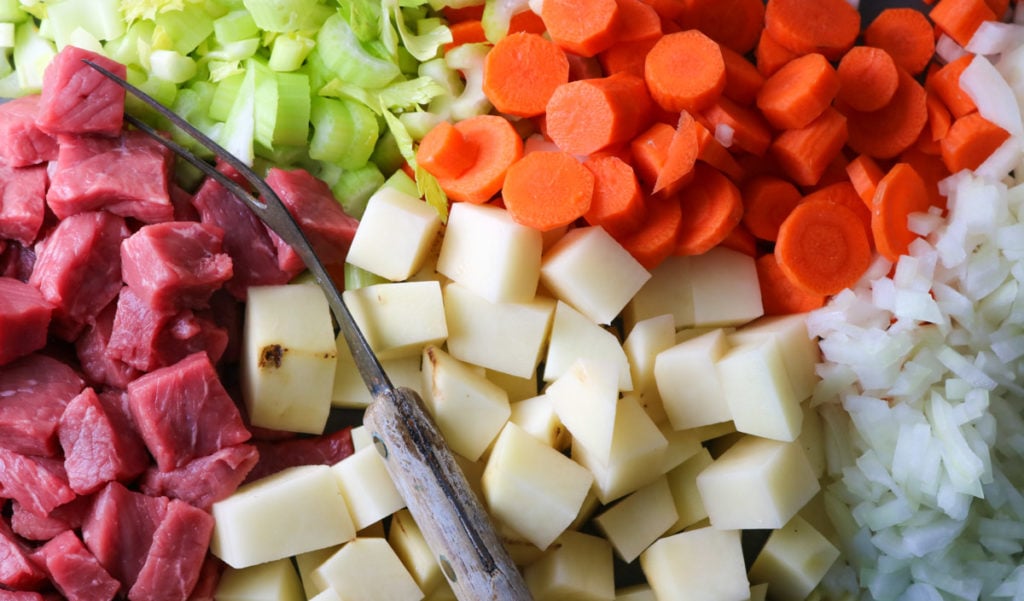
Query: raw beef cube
pixel 119 530
pixel 6 595
pixel 327 449
pixel 74 571
pixel 175 265
pixel 24 319
pixel 146 338
pixel 77 99
pixel 17 570
pixel 22 201
pixel 183 412
pixel 182 201
pixel 78 269
pixel 253 254
pixel 24 143
pixel 17 261
pixel 311 202
pixel 176 557
pixel 91 348
pixel 209 578
pixel 38 483
pixel 68 516
pixel 34 391
pixel 128 175
pixel 203 481
pixel 99 446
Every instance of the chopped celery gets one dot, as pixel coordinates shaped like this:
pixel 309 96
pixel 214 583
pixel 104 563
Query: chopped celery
pixel 6 37
pixel 418 123
pixel 401 181
pixel 363 16
pixel 83 39
pixel 32 53
pixel 344 132
pixel 126 49
pixel 185 29
pixel 164 91
pixel 469 59
pixel 10 12
pixel 409 93
pixel 266 97
pixel 357 277
pixel 287 15
pixel 191 104
pixel 224 96
pixel 172 66
pixel 289 51
pixel 497 16
pixel 428 187
pixel 240 126
pixel 355 186
pixel 101 18
pixel 149 9
pixel 346 58
pixel 6 68
pixel 238 50
pixel 427 43
pixel 386 154
pixel 234 26
pixel 403 140
pixel 293 109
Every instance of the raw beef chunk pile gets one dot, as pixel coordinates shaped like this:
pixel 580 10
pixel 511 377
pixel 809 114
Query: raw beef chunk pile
pixel 120 311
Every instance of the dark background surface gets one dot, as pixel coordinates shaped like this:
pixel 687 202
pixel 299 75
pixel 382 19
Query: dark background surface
pixel 870 8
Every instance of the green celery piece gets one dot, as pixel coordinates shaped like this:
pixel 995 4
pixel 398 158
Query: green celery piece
pixel 185 29
pixel 410 93
pixel 101 18
pixel 355 186
pixel 293 109
pixel 6 68
pixel 32 53
pixel 125 49
pixel 344 132
pixel 36 8
pixel 402 138
pixel 357 277
pixel 6 41
pixel 224 96
pixel 238 50
pixel 469 59
pixel 172 66
pixel 386 154
pixel 281 156
pixel 191 104
pixel 289 51
pixel 427 44
pixel 221 70
pixel 400 180
pixel 344 57
pixel 148 9
pixel 363 16
pixel 428 187
pixel 287 15
pixel 10 12
pixel 240 126
pixel 266 107
pixel 497 16
pixel 418 123
pixel 234 26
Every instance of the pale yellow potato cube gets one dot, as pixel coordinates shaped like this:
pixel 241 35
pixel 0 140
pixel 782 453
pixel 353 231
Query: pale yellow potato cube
pixel 518 388
pixel 585 399
pixel 579 566
pixel 668 291
pixel 635 522
pixel 406 538
pixel 759 592
pixel 532 488
pixel 485 250
pixel 573 336
pixel 635 592
pixel 288 358
pixel 793 561
pixel 688 382
pixel 443 592
pixel 725 288
pixel 521 550
pixel 698 565
pixel 395 233
pixel 469 409
pixel 713 431
pixel 645 341
pixel 361 437
pixel 272 581
pixel 590 507
pixel 505 337
pixel 800 352
pixel 399 319
pixel 682 482
pixel 326 595
pixel 297 510
pixel 350 391
pixel 812 438
pixel 367 569
pixel 758 483
pixel 591 271
pixel 682 444
pixel 309 561
pixel 537 417
pixel 367 488
pixel 758 391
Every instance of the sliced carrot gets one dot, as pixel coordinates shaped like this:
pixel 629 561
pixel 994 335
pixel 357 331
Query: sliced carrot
pixel 798 92
pixel 656 239
pixel 712 152
pixel 999 7
pixel 588 115
pixel 959 19
pixel 444 152
pixel 712 206
pixel 906 35
pixel 618 203
pixel 779 296
pixel 970 140
pixel 498 145
pixel 470 31
pixel 526 21
pixel 835 172
pixel 736 24
pixel 649 151
pixel 637 21
pixel 770 55
pixel 822 248
pixel 742 79
pixel 864 174
pixel 900 193
pixel 945 82
pixel 932 170
pixel 939 117
pixel 546 190
pixel 767 201
pixel 668 10
pixel 741 240
pixel 521 72
pixel 827 26
pixel 681 156
pixel 845 194
pixel 750 131
pixel 685 71
pixel 887 132
pixel 804 154
pixel 868 78
pixel 626 56
pixel 584 27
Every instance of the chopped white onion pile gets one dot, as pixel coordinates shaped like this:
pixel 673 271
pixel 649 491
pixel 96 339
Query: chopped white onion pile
pixel 922 391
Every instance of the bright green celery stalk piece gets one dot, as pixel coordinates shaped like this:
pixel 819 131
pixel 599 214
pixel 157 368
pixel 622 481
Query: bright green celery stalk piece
pixel 355 186
pixel 344 57
pixel 289 51
pixel 293 109
pixel 32 53
pixel 357 277
pixel 345 132
pixel 224 96
pixel 287 15
pixel 183 30
pixel 498 15
pixel 127 49
pixel 101 18
pixel 265 108
pixel 234 26
pixel 239 130
pixel 10 12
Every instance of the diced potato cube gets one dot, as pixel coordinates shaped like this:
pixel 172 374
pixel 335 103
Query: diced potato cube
pixel 350 391
pixel 645 341
pixel 725 288
pixel 518 388
pixel 394 234
pixel 812 438
pixel 682 444
pixel 669 291
pixel 521 550
pixel 406 538
pixel 505 337
pixel 757 484
pixel 759 592
pixel 682 481
pixel 591 271
pixel 485 250
pixel 688 381
pixel 399 319
pixel 328 594
pixel 793 561
pixel 635 522
pixel 288 358
pixel 537 417
pixel 758 392
pixel 469 409
pixel 585 399
pixel 713 431
pixel 272 581
pixel 361 437
pixel 579 566
pixel 296 510
pixel 573 336
pixel 533 488
pixel 367 569
pixel 800 352
pixel 309 561
pixel 369 493
pixel 698 565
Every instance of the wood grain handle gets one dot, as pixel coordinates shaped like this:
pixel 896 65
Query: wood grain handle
pixel 452 519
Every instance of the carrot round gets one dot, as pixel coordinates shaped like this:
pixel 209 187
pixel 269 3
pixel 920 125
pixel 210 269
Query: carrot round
pixel 470 31
pixel 959 19
pixel 741 240
pixel 444 152
pixel 901 192
pixel 779 296
pixel 945 82
pixel 864 174
pixel 906 35
pixel 712 206
pixel 827 26
pixel 682 154
pixel 750 130
pixel 522 71
pixel 649 151
pixel 736 24
pixel 583 27
pixel 867 78
pixel 712 152
pixel 618 203
pixel 798 92
pixel 932 170
pixel 685 71
pixel 588 115
pixel 656 239
pixel 498 145
pixel 547 189
pixel 970 140
pixel 806 153
pixel 767 201
pixel 843 193
pixel 770 55
pixel 627 56
pixel 742 79
pixel 637 21
pixel 822 248
pixel 887 132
